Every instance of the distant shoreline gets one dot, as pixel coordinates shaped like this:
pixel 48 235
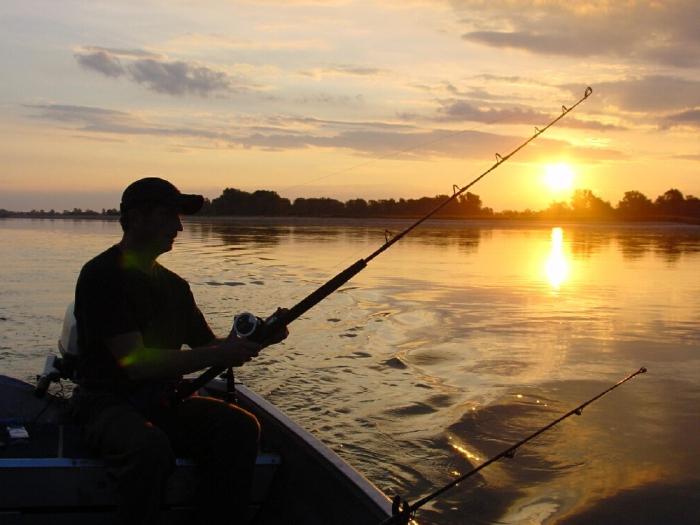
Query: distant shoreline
pixel 29 215
pixel 296 219
pixel 265 205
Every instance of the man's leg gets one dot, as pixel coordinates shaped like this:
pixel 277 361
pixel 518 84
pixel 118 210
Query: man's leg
pixel 223 440
pixel 140 458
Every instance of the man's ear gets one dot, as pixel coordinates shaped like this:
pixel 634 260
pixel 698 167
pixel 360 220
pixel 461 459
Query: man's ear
pixel 135 217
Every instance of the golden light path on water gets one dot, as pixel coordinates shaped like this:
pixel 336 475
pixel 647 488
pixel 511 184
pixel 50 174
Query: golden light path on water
pixel 557 265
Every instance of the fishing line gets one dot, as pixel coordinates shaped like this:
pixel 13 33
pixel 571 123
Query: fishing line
pixel 403 512
pixel 250 326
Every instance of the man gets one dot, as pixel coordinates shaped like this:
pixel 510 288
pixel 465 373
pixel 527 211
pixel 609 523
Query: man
pixel 133 316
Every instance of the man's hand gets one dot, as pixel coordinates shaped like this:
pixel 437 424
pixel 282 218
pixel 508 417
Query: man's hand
pixel 279 335
pixel 236 351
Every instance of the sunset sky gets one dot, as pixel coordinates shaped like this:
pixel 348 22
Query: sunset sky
pixel 345 98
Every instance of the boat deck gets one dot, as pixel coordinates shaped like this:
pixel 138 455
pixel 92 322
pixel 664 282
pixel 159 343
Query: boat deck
pixel 51 478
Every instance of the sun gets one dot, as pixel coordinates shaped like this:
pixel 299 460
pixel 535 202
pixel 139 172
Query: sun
pixel 559 177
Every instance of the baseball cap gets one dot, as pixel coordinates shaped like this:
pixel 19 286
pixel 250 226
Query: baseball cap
pixel 159 191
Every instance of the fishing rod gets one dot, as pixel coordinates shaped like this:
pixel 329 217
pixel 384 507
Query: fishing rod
pixel 403 512
pixel 252 327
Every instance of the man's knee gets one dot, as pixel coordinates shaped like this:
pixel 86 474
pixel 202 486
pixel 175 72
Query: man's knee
pixel 243 427
pixel 151 449
pixel 237 437
pixel 231 422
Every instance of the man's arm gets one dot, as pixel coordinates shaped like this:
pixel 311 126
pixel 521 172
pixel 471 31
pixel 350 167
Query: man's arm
pixel 141 363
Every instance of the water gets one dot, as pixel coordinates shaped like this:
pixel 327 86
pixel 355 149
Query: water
pixel 455 343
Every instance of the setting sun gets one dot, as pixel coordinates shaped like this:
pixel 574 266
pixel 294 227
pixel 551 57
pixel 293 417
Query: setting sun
pixel 559 177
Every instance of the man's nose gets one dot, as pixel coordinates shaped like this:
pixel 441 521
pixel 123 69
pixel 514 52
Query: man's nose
pixel 179 224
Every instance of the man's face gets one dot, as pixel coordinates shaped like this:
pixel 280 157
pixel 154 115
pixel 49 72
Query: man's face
pixel 158 228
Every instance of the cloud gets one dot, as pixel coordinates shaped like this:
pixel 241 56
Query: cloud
pixel 178 78
pixel 375 139
pixel 345 124
pixel 354 70
pixel 553 44
pixel 461 144
pixel 456 110
pixel 468 103
pixel 695 157
pixel 175 78
pixel 577 123
pixel 102 62
pixel 333 100
pixel 461 110
pixel 652 93
pixel 343 70
pixel 121 53
pixel 91 118
pixel 657 32
pixel 686 118
pixel 414 145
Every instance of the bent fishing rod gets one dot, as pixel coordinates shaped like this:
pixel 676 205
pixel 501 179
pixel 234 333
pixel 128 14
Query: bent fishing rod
pixel 256 329
pixel 404 512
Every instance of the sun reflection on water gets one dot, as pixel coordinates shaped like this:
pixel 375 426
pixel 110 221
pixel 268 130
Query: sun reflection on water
pixel 557 265
pixel 464 451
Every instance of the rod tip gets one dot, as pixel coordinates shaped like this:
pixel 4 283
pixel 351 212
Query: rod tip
pixel 588 92
pixel 643 370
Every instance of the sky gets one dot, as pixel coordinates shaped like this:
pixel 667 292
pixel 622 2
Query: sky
pixel 346 99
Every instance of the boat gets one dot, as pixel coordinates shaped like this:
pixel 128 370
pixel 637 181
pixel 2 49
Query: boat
pixel 48 475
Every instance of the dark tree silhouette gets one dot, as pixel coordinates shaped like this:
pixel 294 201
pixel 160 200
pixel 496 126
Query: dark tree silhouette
pixel 692 206
pixel 557 210
pixel 318 207
pixel 635 205
pixel 585 204
pixel 670 203
pixel 357 208
pixel 237 202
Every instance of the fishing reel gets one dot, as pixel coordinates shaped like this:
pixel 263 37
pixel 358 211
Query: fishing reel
pixel 250 326
pixel 245 325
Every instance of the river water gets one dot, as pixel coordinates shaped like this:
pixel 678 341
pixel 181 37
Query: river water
pixel 458 341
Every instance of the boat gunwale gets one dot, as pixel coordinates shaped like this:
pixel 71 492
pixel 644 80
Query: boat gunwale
pixel 312 443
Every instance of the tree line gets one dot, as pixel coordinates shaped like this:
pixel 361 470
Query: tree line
pixel 634 205
pixel 74 213
pixel 583 205
pixel 264 202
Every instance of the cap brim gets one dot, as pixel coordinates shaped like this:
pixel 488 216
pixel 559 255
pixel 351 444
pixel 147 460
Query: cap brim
pixel 190 204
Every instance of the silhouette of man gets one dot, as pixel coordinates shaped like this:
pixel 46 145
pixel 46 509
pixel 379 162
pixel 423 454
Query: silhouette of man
pixel 133 316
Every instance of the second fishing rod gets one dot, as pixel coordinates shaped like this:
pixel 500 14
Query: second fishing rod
pixel 260 330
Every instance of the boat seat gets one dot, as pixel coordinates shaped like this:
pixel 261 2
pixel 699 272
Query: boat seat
pixel 54 463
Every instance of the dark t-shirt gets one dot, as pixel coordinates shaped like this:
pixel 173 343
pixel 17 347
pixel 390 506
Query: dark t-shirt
pixel 113 297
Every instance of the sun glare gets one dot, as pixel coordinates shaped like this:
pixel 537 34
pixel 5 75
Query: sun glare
pixel 557 265
pixel 559 177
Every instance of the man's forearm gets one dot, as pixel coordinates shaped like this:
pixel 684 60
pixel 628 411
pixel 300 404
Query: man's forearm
pixel 146 363
pixel 143 363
